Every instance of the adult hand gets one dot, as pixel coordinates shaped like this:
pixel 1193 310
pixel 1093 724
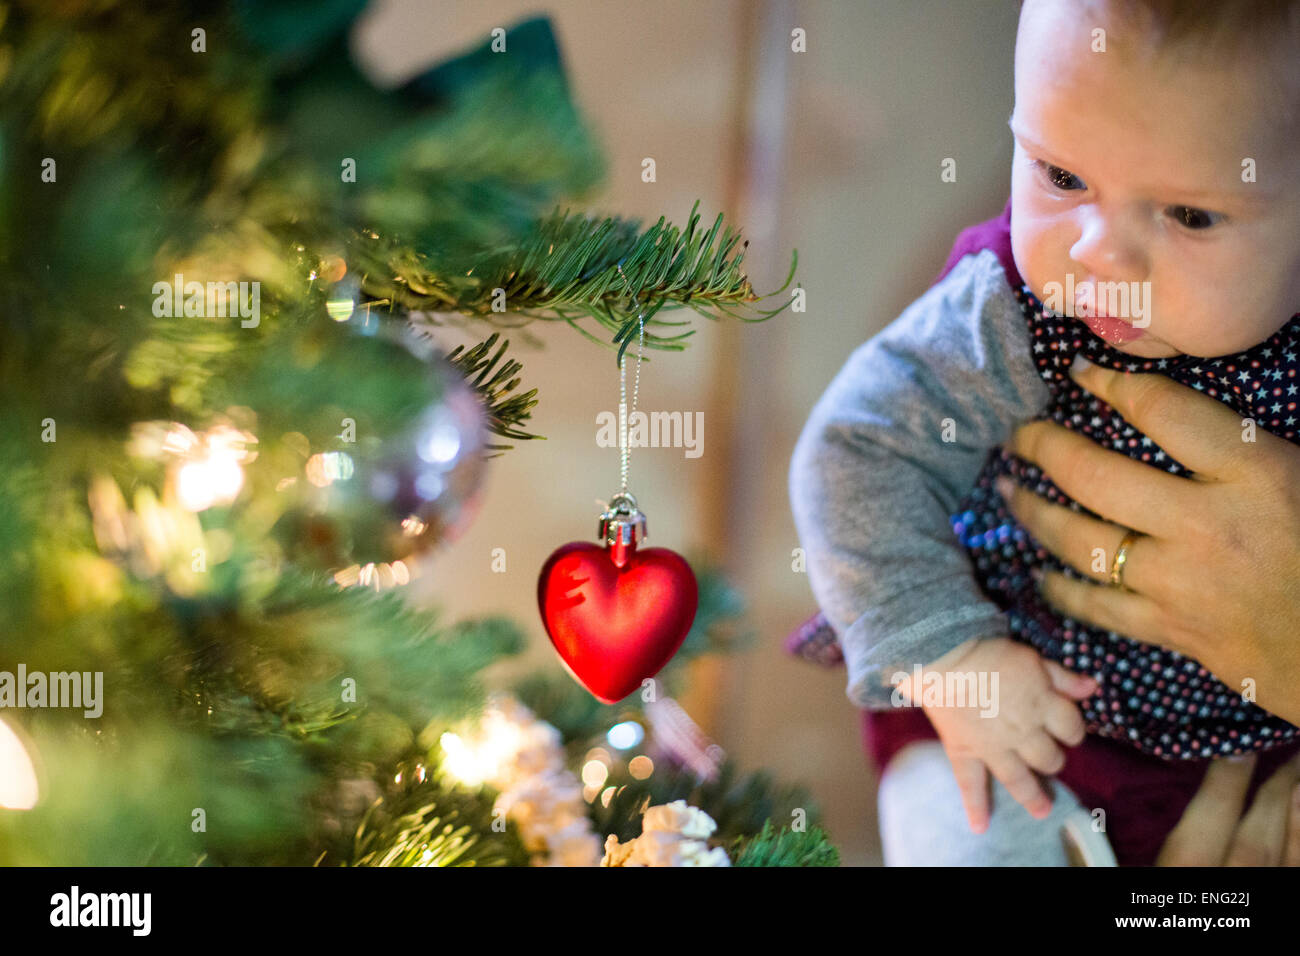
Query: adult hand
pixel 1212 831
pixel 1216 572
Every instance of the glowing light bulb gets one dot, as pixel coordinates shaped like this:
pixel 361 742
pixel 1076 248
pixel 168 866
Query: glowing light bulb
pixel 594 773
pixel 461 761
pixel 18 787
pixel 194 486
pixel 212 475
pixel 626 735
pixel 328 467
pixel 340 310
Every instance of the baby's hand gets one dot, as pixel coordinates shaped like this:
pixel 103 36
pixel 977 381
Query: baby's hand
pixel 1035 704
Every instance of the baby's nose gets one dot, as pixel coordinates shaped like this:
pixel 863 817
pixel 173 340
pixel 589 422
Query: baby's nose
pixel 1107 248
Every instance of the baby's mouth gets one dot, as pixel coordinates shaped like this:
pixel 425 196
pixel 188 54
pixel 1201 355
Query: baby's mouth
pixel 1113 330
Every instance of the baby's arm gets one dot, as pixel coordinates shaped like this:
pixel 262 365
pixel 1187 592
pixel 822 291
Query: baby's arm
pixel 873 480
pixel 889 450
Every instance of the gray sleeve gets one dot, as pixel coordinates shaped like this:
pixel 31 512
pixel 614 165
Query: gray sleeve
pixel 873 483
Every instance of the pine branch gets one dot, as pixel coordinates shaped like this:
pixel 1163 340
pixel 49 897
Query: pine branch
pixel 425 821
pixel 785 847
pixel 571 267
pixel 503 414
pixel 741 804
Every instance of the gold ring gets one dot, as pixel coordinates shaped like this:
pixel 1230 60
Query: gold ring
pixel 1121 558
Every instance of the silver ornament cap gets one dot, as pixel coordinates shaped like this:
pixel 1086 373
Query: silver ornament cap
pixel 621 528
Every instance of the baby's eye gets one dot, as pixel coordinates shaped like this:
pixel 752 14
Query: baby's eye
pixel 1062 179
pixel 1193 218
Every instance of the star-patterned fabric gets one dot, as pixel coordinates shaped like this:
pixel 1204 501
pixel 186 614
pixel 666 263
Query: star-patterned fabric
pixel 1159 701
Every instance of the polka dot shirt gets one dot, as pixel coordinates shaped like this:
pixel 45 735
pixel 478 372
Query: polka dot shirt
pixel 1163 703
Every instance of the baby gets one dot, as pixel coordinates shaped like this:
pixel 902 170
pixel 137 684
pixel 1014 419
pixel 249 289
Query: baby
pixel 1154 226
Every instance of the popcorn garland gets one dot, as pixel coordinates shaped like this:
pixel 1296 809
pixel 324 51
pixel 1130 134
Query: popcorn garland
pixel 523 759
pixel 672 834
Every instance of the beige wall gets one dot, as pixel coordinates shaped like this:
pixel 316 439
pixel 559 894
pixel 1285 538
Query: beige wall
pixel 835 151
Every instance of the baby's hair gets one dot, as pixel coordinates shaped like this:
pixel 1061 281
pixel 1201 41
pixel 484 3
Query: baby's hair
pixel 1218 31
pixel 1213 25
pixel 1209 25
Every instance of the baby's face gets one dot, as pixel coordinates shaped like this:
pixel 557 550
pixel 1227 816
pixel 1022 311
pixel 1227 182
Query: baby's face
pixel 1130 169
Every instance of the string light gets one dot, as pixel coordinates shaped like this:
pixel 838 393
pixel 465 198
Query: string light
pixel 209 468
pixel 19 789
pixel 625 735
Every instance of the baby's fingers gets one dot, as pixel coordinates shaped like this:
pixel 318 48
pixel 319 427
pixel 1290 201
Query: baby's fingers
pixel 1063 721
pixel 1069 683
pixel 1041 753
pixel 973 782
pixel 1021 784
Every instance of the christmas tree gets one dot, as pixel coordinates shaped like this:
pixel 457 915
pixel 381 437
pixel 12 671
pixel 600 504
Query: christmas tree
pixel 230 438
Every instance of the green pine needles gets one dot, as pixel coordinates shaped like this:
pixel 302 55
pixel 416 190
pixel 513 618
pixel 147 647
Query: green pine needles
pixel 785 847
pixel 571 266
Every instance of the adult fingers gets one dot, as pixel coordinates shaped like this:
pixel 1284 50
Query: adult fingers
pixel 1197 430
pixel 1204 832
pixel 1128 492
pixel 1261 835
pixel 1083 542
pixel 1109 609
pixel 1291 852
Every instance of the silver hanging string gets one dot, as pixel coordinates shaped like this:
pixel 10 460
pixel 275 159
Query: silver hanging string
pixel 622 393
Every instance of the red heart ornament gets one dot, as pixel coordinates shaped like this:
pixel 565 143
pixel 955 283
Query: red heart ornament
pixel 616 626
